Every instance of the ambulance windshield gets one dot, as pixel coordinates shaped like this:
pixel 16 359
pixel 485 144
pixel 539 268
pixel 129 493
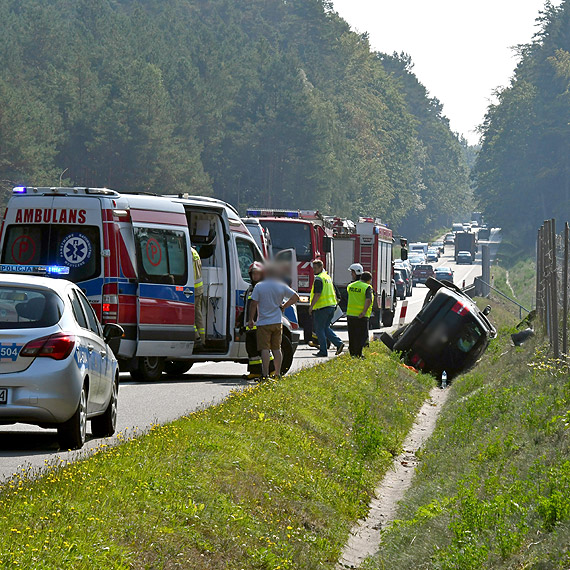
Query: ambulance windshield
pixel 77 247
pixel 287 235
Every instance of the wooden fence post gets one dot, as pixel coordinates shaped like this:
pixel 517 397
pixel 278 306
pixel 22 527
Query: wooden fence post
pixel 565 293
pixel 554 278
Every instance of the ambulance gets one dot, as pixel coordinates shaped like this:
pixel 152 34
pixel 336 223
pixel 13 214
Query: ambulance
pixel 131 255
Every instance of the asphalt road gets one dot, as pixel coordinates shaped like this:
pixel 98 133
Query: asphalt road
pixel 143 404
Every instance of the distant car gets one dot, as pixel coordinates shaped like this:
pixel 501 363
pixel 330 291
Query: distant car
pixel 444 274
pixel 464 257
pixel 484 233
pixel 407 273
pixel 450 239
pixel 423 272
pixel 416 260
pixel 432 254
pixel 56 368
pixel 440 246
pixel 401 285
pixel 449 334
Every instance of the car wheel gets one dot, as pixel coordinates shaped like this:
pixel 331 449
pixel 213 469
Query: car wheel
pixel 287 351
pixel 177 367
pixel 72 433
pixel 106 424
pixel 387 340
pixel 148 369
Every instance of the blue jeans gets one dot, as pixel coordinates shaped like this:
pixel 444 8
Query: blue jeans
pixel 322 322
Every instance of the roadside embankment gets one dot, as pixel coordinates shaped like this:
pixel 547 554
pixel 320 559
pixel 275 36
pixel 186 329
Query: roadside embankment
pixel 274 477
pixel 493 486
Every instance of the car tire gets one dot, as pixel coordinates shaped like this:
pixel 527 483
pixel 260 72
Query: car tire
pixel 287 352
pixel 105 425
pixel 148 369
pixel 72 433
pixel 387 340
pixel 177 367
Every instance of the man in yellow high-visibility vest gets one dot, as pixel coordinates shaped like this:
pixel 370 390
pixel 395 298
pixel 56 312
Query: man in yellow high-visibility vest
pixel 323 303
pixel 198 294
pixel 358 311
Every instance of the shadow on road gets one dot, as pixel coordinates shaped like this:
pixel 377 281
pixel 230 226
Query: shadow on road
pixel 218 379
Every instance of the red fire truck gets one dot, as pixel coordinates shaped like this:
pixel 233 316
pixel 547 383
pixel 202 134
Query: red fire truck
pixel 310 236
pixel 369 243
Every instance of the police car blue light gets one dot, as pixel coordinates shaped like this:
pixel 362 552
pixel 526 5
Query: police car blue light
pixel 34 269
pixel 20 190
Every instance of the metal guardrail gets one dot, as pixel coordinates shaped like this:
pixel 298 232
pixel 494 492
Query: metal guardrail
pixel 521 308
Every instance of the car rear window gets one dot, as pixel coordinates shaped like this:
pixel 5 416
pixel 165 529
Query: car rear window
pixel 424 267
pixel 75 246
pixel 26 308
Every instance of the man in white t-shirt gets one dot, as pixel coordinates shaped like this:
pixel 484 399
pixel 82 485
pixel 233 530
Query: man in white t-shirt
pixel 267 303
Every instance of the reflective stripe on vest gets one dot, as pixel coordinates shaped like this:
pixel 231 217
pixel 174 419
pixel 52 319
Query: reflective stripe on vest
pixel 197 262
pixel 328 296
pixel 357 299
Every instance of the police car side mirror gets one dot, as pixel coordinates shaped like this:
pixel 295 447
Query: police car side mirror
pixel 111 331
pixel 487 310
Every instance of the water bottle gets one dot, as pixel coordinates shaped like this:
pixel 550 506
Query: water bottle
pixel 444 379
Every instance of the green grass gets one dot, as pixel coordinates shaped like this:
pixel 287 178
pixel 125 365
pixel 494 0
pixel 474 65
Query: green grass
pixel 522 280
pixel 493 487
pixel 273 478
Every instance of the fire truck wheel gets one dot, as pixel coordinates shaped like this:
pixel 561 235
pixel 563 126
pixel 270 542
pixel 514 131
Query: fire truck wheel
pixel 149 369
pixel 177 367
pixel 387 317
pixel 375 319
pixel 287 350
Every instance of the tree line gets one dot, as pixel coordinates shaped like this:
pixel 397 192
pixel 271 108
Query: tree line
pixel 522 173
pixel 266 103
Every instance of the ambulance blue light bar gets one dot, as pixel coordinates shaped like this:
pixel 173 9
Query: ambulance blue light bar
pixel 19 190
pixel 34 269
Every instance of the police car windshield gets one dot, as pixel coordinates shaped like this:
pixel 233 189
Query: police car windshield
pixel 25 308
pixel 74 246
pixel 287 235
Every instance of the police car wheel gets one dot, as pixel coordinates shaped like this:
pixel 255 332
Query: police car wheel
pixel 106 424
pixel 72 433
pixel 177 367
pixel 148 369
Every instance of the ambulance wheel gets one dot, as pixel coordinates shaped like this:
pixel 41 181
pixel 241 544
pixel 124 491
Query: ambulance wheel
pixel 177 367
pixel 287 351
pixel 148 369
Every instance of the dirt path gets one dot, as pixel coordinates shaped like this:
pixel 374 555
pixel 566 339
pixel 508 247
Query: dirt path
pixel 365 536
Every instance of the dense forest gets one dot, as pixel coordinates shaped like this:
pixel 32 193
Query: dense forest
pixel 257 102
pixel 523 168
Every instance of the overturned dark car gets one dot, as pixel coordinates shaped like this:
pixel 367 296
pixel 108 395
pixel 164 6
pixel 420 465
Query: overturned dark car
pixel 449 334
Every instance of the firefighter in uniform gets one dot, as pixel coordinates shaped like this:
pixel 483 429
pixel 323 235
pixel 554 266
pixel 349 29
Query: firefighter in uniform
pixel 198 295
pixel 323 303
pixel 253 354
pixel 358 311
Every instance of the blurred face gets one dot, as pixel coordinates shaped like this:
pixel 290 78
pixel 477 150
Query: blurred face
pixel 256 275
pixel 317 269
pixel 354 276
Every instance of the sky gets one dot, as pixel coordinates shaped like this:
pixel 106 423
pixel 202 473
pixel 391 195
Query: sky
pixel 461 50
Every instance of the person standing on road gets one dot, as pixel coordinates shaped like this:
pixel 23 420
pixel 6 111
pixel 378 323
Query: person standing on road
pixel 198 295
pixel 323 303
pixel 253 354
pixel 358 311
pixel 268 306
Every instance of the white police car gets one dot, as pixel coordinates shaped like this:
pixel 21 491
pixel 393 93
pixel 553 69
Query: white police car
pixel 56 369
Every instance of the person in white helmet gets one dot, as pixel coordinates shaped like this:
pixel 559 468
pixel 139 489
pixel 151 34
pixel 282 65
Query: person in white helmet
pixel 356 270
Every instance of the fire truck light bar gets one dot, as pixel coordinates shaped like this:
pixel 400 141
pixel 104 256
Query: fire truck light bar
pixel 20 190
pixel 273 213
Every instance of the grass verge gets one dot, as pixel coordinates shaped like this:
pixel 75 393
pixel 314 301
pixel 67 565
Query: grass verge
pixel 273 478
pixel 493 487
